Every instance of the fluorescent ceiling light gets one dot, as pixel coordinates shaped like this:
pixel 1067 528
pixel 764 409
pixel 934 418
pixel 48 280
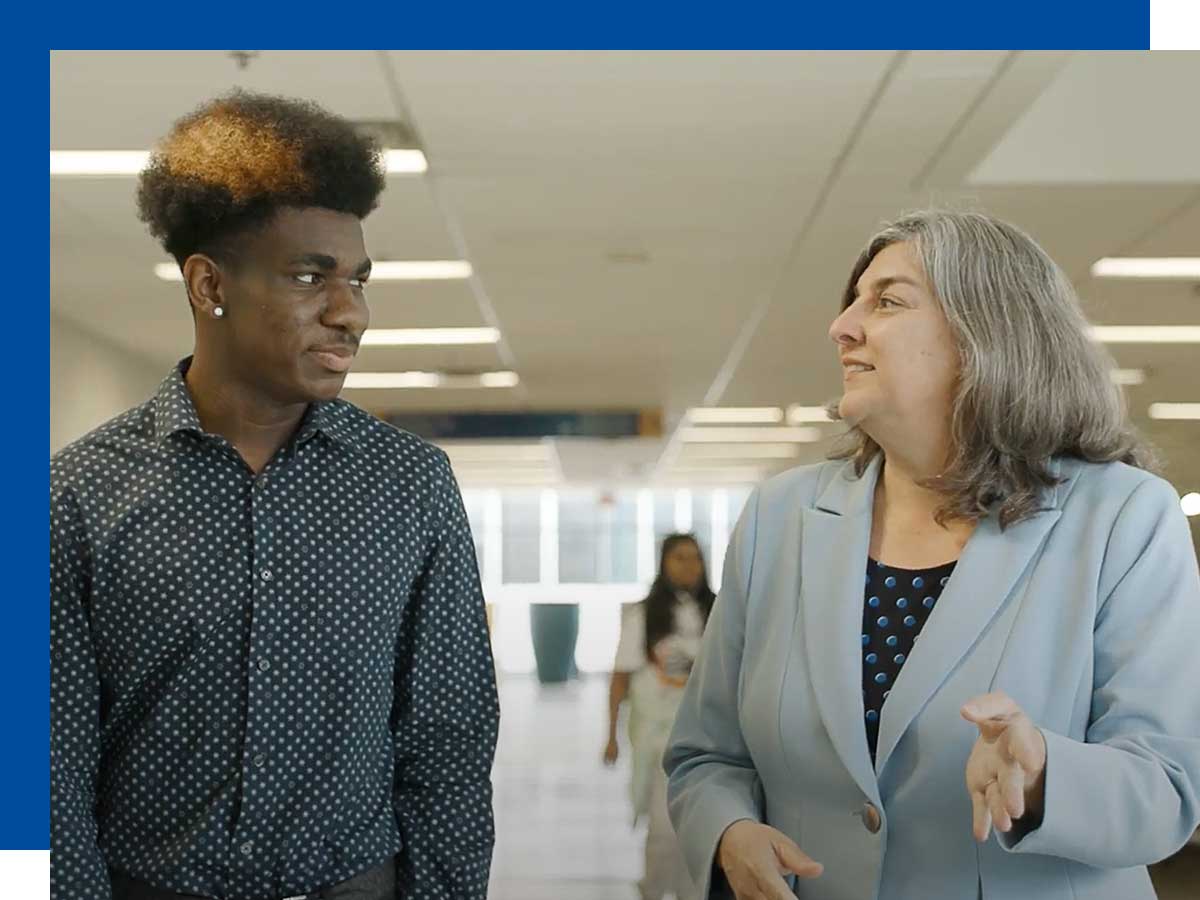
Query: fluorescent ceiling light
pixel 764 435
pixel 464 452
pixel 497 380
pixel 131 162
pixel 1190 504
pixel 393 380
pixel 1185 267
pixel 714 467
pixel 405 162
pixel 381 270
pixel 1128 377
pixel 487 477
pixel 1175 410
pixel 519 467
pixel 411 337
pixel 97 162
pixel 729 415
pixel 711 474
pixel 495 462
pixel 739 451
pixel 420 270
pixel 1146 334
pixel 798 415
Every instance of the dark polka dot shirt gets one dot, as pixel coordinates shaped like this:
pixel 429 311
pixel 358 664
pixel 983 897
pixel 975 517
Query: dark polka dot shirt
pixel 896 606
pixel 260 686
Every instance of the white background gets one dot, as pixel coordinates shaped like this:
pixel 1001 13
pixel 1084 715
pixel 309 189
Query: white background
pixel 1175 24
pixel 25 874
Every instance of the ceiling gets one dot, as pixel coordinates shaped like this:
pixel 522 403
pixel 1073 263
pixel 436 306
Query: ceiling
pixel 663 230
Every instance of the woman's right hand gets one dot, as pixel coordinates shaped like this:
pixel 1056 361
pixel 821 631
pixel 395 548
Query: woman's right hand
pixel 755 858
pixel 611 752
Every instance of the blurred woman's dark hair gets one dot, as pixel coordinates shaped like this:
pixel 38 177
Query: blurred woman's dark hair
pixel 662 600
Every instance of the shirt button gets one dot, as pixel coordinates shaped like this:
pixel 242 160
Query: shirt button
pixel 260 760
pixel 247 848
pixel 871 818
pixel 264 665
pixel 266 575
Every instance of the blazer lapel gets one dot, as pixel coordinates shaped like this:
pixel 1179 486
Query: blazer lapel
pixel 990 566
pixel 833 568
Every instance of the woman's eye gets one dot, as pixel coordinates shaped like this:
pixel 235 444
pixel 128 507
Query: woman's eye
pixel 309 278
pixel 885 302
pixel 359 283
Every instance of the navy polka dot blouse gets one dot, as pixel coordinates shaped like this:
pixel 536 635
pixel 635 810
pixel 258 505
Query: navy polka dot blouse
pixel 897 605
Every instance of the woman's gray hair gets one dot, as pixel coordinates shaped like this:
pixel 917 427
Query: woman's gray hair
pixel 1032 383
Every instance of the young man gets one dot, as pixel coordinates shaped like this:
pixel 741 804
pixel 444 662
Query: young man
pixel 270 668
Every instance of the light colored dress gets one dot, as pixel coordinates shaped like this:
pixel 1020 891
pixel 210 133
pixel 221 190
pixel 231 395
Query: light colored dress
pixel 655 689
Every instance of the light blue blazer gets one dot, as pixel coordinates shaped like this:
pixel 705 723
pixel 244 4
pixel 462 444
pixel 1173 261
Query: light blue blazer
pixel 1087 614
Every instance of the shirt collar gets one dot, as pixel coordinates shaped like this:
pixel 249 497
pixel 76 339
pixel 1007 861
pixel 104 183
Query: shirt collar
pixel 175 411
pixel 332 418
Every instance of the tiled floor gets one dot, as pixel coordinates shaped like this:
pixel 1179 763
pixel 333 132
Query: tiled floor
pixel 562 819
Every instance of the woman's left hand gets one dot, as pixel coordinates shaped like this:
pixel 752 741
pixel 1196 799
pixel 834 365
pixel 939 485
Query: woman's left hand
pixel 1006 769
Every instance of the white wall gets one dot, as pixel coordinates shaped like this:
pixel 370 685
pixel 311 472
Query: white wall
pixel 91 381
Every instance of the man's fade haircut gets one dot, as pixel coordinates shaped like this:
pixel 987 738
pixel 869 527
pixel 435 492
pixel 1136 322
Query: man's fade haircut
pixel 232 164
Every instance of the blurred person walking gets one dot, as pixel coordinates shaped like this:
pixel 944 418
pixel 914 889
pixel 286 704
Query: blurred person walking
pixel 660 637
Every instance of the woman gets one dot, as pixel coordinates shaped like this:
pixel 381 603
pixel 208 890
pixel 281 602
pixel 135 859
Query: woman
pixel 1027 626
pixel 660 638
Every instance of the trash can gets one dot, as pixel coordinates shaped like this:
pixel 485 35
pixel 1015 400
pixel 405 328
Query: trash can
pixel 555 628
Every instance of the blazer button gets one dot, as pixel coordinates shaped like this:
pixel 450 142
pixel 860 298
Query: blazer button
pixel 870 817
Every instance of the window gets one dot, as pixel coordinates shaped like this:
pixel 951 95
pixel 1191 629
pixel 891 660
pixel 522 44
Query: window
pixel 664 520
pixel 521 523
pixel 597 537
pixel 579 538
pixel 474 503
pixel 702 516
pixel 736 499
pixel 624 537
